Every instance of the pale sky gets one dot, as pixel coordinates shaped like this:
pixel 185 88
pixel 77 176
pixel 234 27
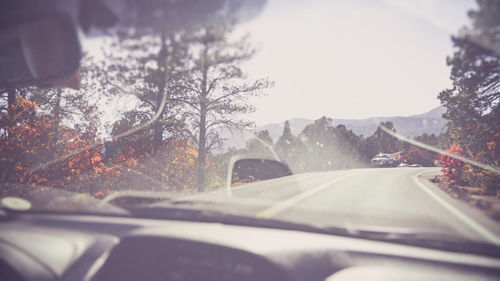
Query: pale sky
pixel 348 58
pixel 353 59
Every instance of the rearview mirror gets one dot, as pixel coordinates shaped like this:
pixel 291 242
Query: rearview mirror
pixel 252 170
pixel 37 49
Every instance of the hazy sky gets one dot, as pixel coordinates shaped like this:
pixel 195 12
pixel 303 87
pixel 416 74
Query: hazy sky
pixel 353 59
pixel 348 58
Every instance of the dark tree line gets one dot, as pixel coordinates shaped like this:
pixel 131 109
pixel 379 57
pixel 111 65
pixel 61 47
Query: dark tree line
pixel 323 146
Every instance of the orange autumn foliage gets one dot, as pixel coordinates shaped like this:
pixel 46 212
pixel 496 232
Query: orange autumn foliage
pixel 38 150
pixel 30 153
pixel 452 168
pixel 170 166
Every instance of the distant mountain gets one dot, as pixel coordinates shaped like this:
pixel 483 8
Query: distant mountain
pixel 435 113
pixel 430 122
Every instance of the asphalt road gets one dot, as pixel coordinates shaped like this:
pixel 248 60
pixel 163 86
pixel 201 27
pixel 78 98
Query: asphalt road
pixel 403 199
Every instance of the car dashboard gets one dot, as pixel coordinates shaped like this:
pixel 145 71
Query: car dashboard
pixel 90 247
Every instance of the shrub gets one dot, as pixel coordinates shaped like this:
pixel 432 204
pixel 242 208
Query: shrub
pixel 452 168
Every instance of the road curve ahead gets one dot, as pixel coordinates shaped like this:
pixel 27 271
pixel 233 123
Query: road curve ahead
pixel 402 198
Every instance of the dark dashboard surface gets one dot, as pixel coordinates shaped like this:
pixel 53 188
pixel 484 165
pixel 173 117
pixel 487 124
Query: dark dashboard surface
pixel 72 247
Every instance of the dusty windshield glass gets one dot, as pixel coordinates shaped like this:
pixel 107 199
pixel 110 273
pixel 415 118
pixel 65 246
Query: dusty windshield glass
pixel 360 114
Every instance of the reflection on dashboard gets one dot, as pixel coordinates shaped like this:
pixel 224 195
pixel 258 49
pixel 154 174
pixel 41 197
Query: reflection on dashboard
pixel 155 258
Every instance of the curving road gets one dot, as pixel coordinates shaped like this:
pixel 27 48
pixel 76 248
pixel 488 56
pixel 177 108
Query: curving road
pixel 401 198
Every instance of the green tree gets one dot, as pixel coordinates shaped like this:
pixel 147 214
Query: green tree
pixel 291 149
pixel 473 102
pixel 260 145
pixel 417 155
pixel 381 141
pixel 216 91
pixel 148 79
pixel 431 139
pixel 330 147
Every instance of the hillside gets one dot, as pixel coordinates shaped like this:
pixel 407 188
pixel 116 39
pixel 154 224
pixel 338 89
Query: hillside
pixel 430 122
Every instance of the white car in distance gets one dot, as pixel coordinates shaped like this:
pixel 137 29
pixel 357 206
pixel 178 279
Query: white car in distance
pixel 383 160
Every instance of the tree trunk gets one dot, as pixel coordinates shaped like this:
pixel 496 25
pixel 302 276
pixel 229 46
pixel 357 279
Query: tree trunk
pixel 202 141
pixel 11 105
pixel 91 187
pixel 8 171
pixel 55 126
pixel 162 87
pixel 202 151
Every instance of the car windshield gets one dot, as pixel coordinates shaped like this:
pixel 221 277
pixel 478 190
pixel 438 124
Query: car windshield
pixel 296 111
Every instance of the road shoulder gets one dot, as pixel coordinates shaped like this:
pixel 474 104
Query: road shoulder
pixel 489 204
pixel 472 216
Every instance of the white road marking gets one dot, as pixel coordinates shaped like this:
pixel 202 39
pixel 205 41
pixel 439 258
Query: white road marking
pixel 283 205
pixel 461 216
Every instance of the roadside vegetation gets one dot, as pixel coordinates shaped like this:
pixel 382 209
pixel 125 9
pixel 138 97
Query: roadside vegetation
pixel 169 94
pixel 322 146
pixel 472 103
pixel 177 91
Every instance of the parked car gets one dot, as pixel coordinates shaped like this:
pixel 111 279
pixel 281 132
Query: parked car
pixel 403 165
pixel 416 165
